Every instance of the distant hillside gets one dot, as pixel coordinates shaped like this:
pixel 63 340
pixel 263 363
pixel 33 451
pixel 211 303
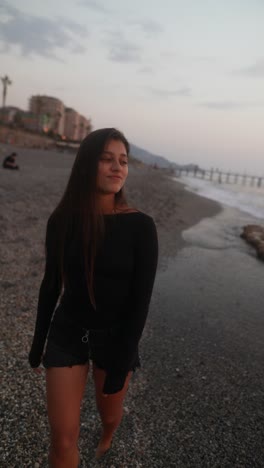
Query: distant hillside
pixel 153 159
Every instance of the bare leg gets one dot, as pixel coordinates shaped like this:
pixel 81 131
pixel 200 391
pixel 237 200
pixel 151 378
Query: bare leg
pixel 65 388
pixel 110 408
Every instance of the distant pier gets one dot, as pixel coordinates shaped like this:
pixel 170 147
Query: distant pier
pixel 215 175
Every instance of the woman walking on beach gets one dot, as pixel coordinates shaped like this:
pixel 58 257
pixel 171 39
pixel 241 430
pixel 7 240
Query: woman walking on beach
pixel 101 258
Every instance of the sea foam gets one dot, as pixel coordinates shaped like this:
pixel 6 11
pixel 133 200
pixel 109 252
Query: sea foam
pixel 246 198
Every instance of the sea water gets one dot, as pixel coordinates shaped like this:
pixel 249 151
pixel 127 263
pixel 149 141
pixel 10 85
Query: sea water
pixel 241 205
pixel 217 276
pixel 210 304
pixel 248 199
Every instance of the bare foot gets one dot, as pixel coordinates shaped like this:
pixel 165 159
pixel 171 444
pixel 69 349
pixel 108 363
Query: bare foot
pixel 103 446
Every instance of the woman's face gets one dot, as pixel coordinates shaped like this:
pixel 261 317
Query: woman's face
pixel 112 168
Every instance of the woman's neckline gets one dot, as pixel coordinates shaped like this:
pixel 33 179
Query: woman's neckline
pixel 122 213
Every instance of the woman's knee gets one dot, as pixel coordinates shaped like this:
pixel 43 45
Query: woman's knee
pixel 112 418
pixel 66 441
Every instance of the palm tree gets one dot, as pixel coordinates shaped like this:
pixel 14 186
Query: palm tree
pixel 6 82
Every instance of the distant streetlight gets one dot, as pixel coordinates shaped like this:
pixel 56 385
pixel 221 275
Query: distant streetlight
pixel 6 82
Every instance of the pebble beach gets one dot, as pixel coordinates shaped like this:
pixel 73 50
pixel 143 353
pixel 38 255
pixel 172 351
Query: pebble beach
pixel 197 401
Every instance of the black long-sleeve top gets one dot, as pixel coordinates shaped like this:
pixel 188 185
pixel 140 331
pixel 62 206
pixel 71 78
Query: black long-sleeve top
pixel 125 269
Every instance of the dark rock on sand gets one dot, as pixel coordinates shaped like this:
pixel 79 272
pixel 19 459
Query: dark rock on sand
pixel 254 235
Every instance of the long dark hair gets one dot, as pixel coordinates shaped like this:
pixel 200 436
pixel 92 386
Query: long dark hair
pixel 77 214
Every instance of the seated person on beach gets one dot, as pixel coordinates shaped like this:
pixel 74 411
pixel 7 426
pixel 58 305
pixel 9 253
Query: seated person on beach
pixel 10 162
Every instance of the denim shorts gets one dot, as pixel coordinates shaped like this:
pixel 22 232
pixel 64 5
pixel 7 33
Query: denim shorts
pixel 94 345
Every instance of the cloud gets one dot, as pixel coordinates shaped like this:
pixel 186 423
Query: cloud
pixel 149 27
pixel 121 50
pixel 165 93
pixel 256 70
pixel 36 35
pixel 96 6
pixel 177 54
pixel 146 69
pixel 169 54
pixel 125 53
pixel 226 105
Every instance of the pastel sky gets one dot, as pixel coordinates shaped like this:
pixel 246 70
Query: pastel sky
pixel 181 78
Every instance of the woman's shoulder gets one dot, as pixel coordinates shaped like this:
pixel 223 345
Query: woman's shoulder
pixel 125 210
pixel 142 226
pixel 137 218
pixel 132 211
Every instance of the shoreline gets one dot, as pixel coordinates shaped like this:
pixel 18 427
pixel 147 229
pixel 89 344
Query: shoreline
pixel 175 210
pixel 206 328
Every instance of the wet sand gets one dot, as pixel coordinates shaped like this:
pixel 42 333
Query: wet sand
pixel 196 402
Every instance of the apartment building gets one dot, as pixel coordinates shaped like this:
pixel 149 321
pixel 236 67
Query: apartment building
pixel 7 114
pixel 71 124
pixel 53 111
pixel 84 127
